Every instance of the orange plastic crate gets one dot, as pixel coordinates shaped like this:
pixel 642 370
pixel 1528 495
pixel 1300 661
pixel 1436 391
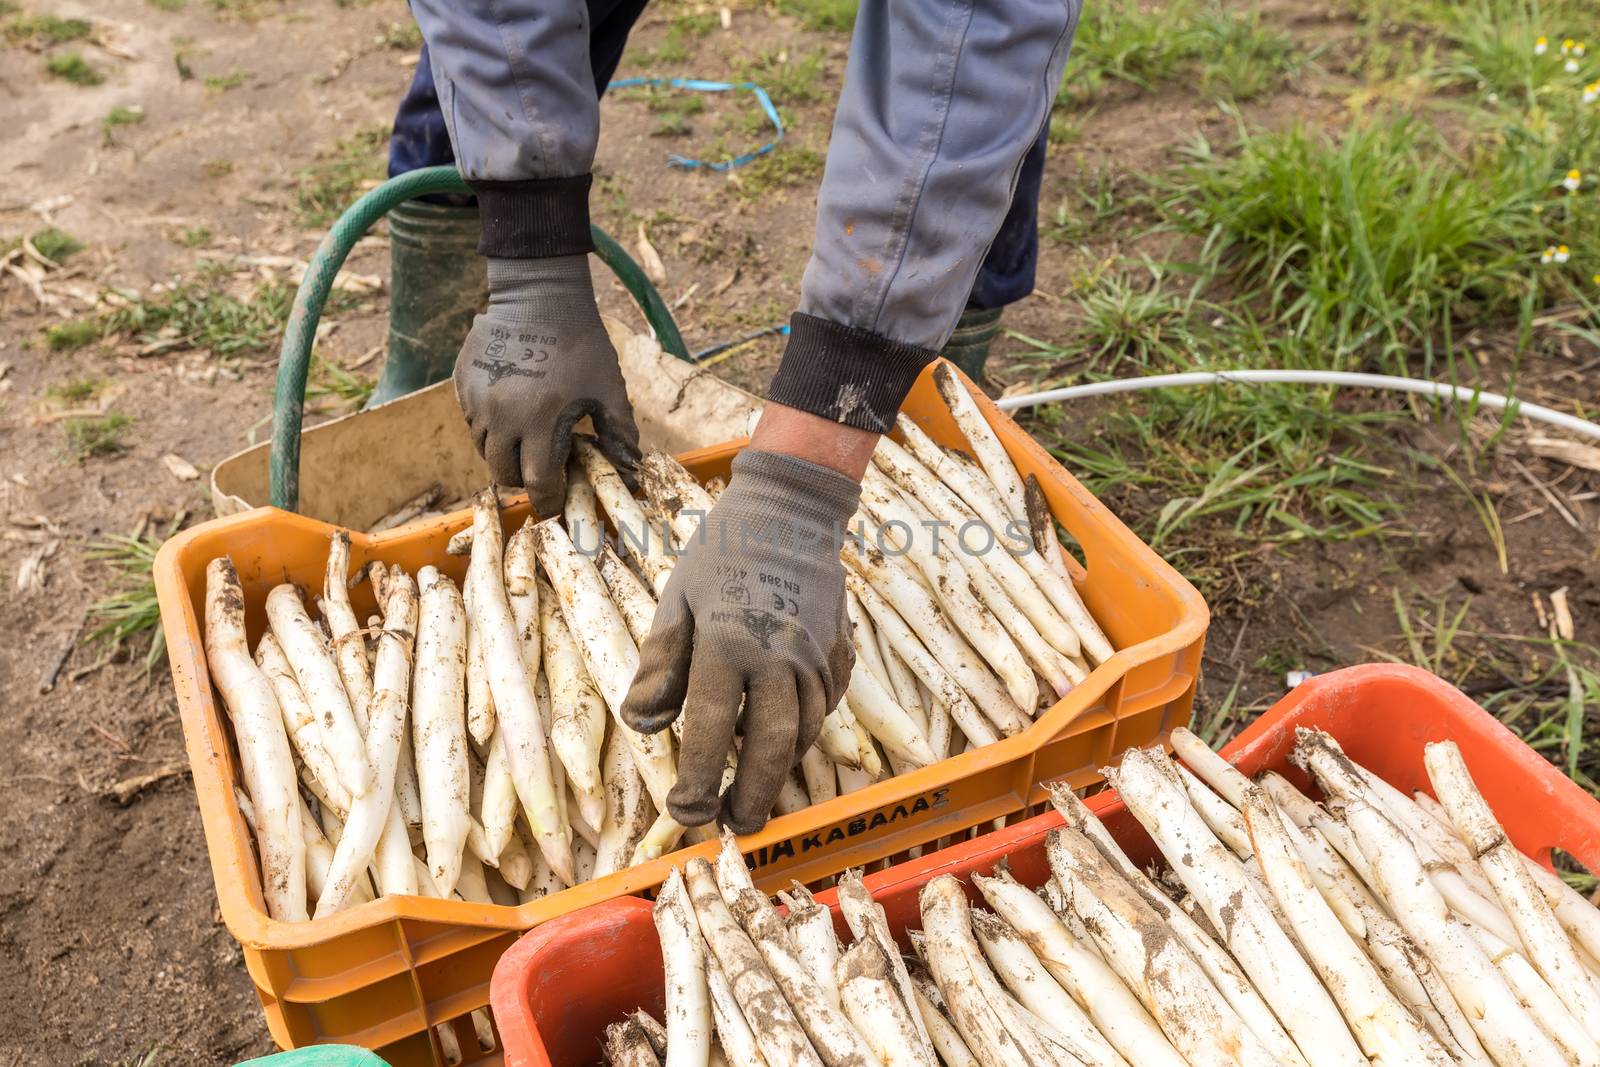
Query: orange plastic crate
pixel 379 975
pixel 561 985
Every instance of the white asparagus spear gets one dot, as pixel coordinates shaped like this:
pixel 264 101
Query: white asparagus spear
pixel 1224 973
pixel 777 1032
pixel 673 490
pixel 865 640
pixel 439 733
pixel 578 714
pixel 480 702
pixel 1022 973
pixel 1434 821
pixel 810 927
pixel 635 534
pixel 320 682
pixel 375 823
pixel 516 706
pixel 580 513
pixel 956 577
pixel 1079 969
pixel 1543 939
pixel 886 720
pixel 983 1027
pixel 974 487
pixel 916 605
pixel 1578 917
pixel 634 601
pixel 1504 1026
pixel 654 1031
pixel 1339 775
pixel 627 1045
pixel 837 739
pixel 688 1005
pixel 1232 902
pixel 608 652
pixel 515 865
pixel 834 1039
pixel 347 638
pixel 1386 1031
pixel 958 706
pixel 628 815
pixel 265 762
pixel 867 921
pixel 955 587
pixel 497 811
pixel 822 785
pixel 1143 951
pixel 301 722
pixel 472 884
pixel 319 858
pixel 1542 1002
pixel 916 479
pixel 733 1032
pixel 888 1024
pixel 946 1040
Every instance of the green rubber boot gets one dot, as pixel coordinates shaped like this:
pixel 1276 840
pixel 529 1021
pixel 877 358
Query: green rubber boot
pixel 968 347
pixel 437 283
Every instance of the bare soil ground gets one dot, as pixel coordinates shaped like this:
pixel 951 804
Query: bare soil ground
pixel 253 111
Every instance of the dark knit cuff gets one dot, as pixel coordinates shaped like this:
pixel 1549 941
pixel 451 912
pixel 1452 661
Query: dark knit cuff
pixel 534 219
pixel 845 373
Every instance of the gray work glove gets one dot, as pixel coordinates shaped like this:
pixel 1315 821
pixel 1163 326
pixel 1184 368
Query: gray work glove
pixel 538 360
pixel 754 611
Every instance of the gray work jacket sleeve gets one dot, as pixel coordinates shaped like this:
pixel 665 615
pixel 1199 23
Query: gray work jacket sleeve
pixel 517 94
pixel 941 101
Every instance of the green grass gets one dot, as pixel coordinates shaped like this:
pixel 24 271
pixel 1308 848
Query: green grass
pixel 72 335
pixel 119 117
pixel 330 381
pixel 1226 47
pixel 76 390
pixel 401 36
pixel 99 435
pixel 788 79
pixel 785 166
pixel 334 182
pixel 166 5
pixel 1367 246
pixel 194 236
pixel 132 609
pixel 823 16
pixel 46 30
pixel 196 316
pixel 223 83
pixel 56 244
pixel 72 67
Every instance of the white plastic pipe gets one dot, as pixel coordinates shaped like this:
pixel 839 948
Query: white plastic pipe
pixel 1348 379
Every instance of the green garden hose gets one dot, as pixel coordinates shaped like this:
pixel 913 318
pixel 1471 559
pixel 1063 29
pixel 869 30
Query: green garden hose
pixel 294 358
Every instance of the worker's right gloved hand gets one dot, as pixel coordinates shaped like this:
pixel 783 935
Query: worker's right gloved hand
pixel 755 613
pixel 538 360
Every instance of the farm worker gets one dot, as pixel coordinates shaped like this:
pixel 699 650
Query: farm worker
pixel 944 103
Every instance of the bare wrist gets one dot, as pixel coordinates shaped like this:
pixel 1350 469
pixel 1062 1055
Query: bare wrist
pixel 811 437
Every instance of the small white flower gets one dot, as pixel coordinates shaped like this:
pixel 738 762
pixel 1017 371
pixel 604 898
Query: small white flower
pixel 1563 253
pixel 1573 181
pixel 1548 255
pixel 1591 92
pixel 1571 66
pixel 1567 46
pixel 1580 49
pixel 1541 46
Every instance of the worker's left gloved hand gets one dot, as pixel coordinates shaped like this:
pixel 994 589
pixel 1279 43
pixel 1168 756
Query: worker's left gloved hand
pixel 754 611
pixel 538 360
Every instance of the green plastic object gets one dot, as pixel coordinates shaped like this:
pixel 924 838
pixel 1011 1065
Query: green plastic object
pixel 437 283
pixel 294 357
pixel 320 1056
pixel 968 347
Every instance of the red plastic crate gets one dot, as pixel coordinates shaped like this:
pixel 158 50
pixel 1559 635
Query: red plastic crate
pixel 555 991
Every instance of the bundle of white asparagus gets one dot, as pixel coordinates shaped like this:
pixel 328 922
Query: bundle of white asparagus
pixel 1374 928
pixel 468 741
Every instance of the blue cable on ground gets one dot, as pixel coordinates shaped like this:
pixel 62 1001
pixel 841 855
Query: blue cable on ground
pixel 699 85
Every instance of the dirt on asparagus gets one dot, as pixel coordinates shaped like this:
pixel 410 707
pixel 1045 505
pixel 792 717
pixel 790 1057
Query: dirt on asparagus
pixel 203 166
